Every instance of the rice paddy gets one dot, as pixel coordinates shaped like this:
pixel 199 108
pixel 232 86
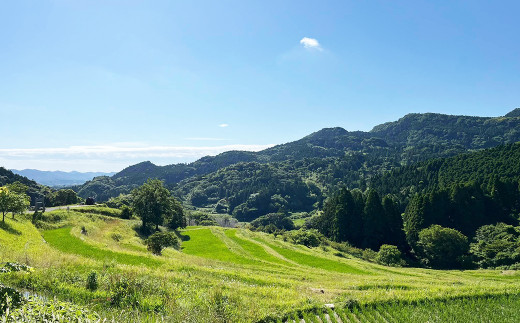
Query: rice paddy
pixel 235 275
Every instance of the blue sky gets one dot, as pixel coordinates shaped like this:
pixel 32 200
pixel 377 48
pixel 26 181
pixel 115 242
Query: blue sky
pixel 100 85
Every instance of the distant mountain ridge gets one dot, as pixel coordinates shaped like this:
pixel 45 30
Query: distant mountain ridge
pixel 326 158
pixel 59 178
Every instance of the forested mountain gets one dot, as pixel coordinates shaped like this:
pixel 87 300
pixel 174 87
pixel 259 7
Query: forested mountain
pixel 317 164
pixel 58 178
pixel 483 167
pixel 33 188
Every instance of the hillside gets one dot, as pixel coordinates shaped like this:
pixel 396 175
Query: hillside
pixel 230 275
pixel 324 160
pixel 58 178
pixel 34 189
pixel 502 162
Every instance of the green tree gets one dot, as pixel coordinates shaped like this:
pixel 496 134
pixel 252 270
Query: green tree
pixel 374 222
pixel 11 201
pixel 160 240
pixel 153 203
pixel 389 255
pixel 496 245
pixel 442 247
pixel 64 197
pixel 413 219
pixel 394 233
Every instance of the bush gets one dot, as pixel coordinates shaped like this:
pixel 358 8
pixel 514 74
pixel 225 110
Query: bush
pixel 272 222
pixel 14 266
pixel 309 238
pixel 9 298
pixel 36 309
pixel 159 240
pixel 389 255
pixel 442 247
pixel 201 218
pixel 92 283
pixel 126 212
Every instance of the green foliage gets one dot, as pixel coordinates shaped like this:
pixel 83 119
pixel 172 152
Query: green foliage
pixel 496 245
pixel 126 212
pixel 484 167
pixel 9 298
pixel 13 200
pixel 462 207
pixel 272 222
pixel 324 161
pixel 92 281
pixel 38 310
pixel 119 201
pixel 309 238
pixel 361 219
pixel 153 203
pixel 14 267
pixel 160 240
pixel 201 218
pixel 442 247
pixel 389 255
pixel 62 197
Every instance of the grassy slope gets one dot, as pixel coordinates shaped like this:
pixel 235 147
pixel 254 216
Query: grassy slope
pixel 233 274
pixel 62 240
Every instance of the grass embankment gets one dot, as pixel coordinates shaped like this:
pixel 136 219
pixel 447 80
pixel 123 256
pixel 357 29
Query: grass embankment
pixel 220 274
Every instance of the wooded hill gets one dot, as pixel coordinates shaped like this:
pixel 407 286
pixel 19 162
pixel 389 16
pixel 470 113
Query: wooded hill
pixel 33 188
pixel 482 167
pixel 298 175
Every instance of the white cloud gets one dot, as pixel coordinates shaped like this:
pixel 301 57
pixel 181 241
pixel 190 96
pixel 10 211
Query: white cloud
pixel 310 43
pixel 223 125
pixel 110 157
pixel 122 151
pixel 206 139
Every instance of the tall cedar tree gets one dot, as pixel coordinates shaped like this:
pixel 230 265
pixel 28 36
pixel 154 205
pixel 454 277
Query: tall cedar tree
pixel 374 222
pixel 394 234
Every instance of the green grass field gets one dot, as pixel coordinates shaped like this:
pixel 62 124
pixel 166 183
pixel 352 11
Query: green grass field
pixel 62 240
pixel 235 275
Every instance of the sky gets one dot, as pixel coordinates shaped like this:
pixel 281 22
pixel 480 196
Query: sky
pixel 100 85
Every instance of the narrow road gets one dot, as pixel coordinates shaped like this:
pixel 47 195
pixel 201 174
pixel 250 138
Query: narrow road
pixel 49 209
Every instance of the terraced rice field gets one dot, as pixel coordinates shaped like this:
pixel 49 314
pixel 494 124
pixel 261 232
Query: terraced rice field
pixel 235 275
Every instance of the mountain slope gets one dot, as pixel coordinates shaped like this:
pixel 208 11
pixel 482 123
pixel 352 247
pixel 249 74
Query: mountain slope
pixel 329 157
pixel 502 162
pixel 33 188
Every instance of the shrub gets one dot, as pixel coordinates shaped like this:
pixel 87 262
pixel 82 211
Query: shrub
pixel 309 238
pixel 389 255
pixel 368 254
pixel 92 282
pixel 272 222
pixel 201 218
pixel 442 247
pixel 14 266
pixel 126 212
pixel 9 298
pixel 116 237
pixel 36 309
pixel 159 240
